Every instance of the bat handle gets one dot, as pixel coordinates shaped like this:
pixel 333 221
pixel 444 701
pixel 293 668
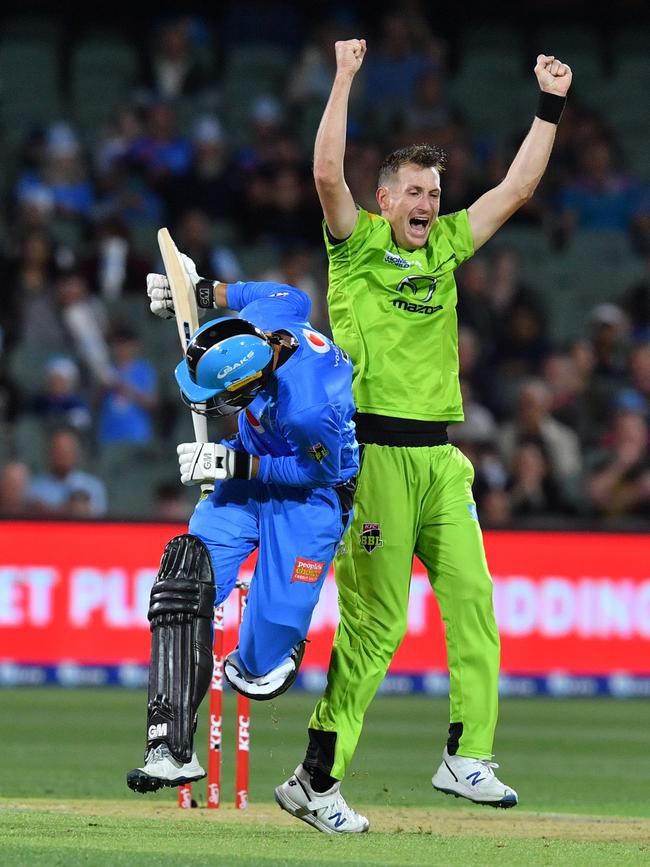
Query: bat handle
pixel 200 424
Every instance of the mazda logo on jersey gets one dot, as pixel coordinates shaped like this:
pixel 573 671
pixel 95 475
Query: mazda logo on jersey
pixel 420 287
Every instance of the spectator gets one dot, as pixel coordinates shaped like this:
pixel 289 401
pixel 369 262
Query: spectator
pixel 479 426
pixel 364 158
pixel 476 371
pixel 509 290
pixel 62 178
pixel 195 238
pixel 127 197
pixel 84 319
pixel 171 503
pixel 534 423
pixel 637 305
pixel 60 402
pixel 279 209
pixel 265 128
pixel 533 489
pixel 462 183
pixel 568 400
pixel 30 313
pixel 639 376
pixel 311 79
pixel 495 510
pixel 125 414
pixel 601 197
pixel 173 68
pixel 9 395
pixel 112 265
pixel 430 115
pixel 207 186
pixel 57 491
pixel 522 345
pixel 475 308
pixel 608 336
pixel 494 167
pixel 124 128
pixel 405 50
pixel 609 333
pixel 619 482
pixel 14 481
pixel 160 153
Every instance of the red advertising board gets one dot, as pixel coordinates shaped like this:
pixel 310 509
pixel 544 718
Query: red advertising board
pixel 571 602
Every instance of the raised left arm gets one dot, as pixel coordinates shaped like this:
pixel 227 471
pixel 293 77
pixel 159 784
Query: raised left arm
pixel 491 210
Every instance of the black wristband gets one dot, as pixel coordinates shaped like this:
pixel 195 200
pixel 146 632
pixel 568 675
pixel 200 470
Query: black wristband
pixel 243 465
pixel 550 107
pixel 205 293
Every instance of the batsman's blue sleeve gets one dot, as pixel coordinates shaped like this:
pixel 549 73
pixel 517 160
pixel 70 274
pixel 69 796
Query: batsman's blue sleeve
pixel 296 302
pixel 315 440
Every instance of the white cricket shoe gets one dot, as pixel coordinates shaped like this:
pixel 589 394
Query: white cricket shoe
pixel 162 769
pixel 326 811
pixel 473 779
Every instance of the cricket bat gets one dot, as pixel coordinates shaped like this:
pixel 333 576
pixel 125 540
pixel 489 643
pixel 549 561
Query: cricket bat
pixel 187 315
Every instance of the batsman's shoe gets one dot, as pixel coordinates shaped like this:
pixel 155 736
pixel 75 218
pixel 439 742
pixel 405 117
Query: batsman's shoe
pixel 473 779
pixel 326 811
pixel 162 769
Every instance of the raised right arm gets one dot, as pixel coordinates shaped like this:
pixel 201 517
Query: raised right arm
pixel 339 209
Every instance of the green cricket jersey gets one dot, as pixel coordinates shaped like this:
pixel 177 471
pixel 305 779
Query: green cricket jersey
pixel 394 312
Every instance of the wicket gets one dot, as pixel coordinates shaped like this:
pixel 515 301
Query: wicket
pixel 215 728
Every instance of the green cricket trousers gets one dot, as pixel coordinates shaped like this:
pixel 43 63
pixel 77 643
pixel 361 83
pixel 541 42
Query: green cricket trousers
pixel 409 501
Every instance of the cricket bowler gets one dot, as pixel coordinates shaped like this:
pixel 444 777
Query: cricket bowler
pixel 392 304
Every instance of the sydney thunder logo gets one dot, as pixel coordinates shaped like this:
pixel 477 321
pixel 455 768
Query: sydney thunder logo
pixel 370 537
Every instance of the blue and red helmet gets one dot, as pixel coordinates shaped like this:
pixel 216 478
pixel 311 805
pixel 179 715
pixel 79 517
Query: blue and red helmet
pixel 227 363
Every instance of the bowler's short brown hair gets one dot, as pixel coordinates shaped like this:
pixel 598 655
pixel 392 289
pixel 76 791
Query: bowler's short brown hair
pixel 424 155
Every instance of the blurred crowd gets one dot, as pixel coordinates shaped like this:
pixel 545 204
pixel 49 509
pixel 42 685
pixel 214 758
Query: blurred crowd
pixel 557 431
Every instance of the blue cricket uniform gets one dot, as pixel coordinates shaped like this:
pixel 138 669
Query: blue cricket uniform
pixel 297 509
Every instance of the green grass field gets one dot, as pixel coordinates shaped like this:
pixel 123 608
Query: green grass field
pixel 581 768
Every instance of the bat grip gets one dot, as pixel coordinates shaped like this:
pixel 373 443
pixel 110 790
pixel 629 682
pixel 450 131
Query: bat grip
pixel 200 424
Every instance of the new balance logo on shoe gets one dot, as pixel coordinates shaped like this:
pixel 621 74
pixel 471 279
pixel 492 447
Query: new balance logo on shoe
pixel 325 811
pixel 475 777
pixel 337 818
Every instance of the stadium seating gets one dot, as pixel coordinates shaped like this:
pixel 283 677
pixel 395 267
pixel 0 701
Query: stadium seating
pixel 30 82
pixel 103 67
pixel 252 70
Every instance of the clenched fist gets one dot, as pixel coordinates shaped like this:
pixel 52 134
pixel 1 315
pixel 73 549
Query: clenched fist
pixel 553 75
pixel 349 55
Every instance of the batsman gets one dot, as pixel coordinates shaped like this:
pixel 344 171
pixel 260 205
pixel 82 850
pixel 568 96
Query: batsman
pixel 283 486
pixel 392 303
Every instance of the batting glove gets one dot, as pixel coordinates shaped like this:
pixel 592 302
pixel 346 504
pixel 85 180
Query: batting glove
pixel 211 462
pixel 160 296
pixel 190 267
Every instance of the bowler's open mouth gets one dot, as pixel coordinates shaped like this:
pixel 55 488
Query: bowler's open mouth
pixel 419 225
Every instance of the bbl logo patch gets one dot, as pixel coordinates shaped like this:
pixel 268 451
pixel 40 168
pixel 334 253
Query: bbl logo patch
pixel 318 452
pixel 370 537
